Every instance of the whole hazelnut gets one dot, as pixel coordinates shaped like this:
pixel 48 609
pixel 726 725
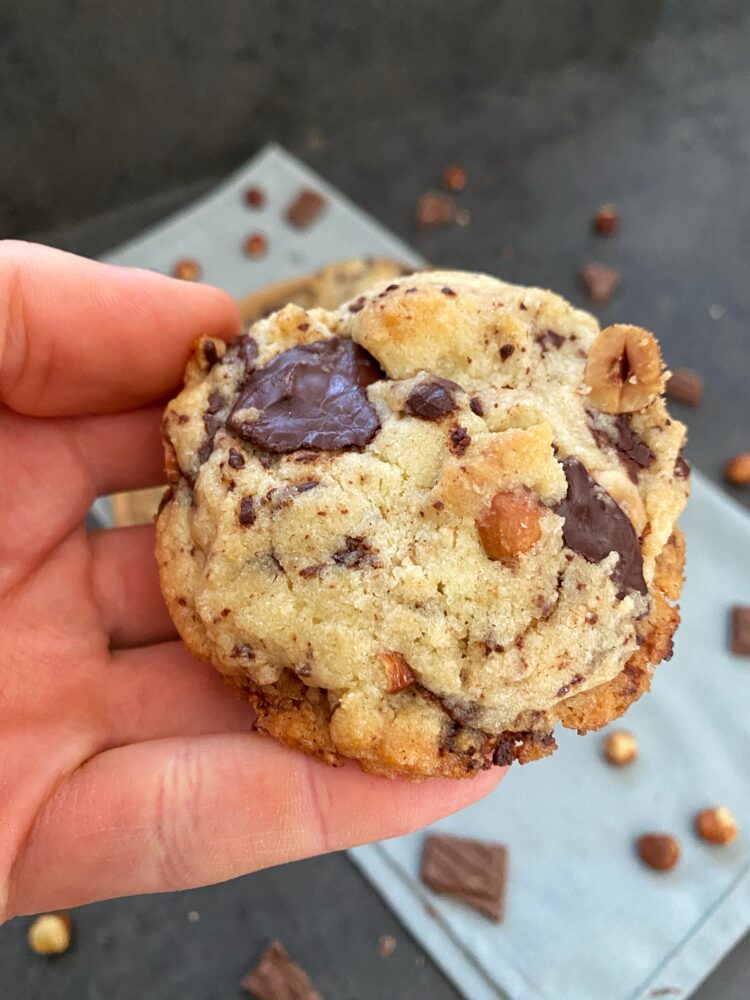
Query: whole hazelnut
pixel 660 851
pixel 620 747
pixel 716 825
pixel 187 269
pixel 50 934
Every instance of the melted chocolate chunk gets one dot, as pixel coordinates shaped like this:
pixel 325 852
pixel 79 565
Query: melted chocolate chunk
pixel 595 526
pixel 248 512
pixel 311 396
pixel 505 351
pixel 432 399
pixel 460 441
pixel 356 552
pixel 549 340
pixel 236 459
pixel 247 350
pixel 212 422
pixel 634 454
pixel 476 406
pixel 210 354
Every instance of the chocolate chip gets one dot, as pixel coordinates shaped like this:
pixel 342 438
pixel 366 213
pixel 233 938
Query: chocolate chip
pixel 740 644
pixel 548 340
pixel 681 466
pixel 277 977
pixel 476 406
pixel 600 282
pixel 595 526
pixel 357 552
pixel 305 208
pixel 255 245
pixel 432 399
pixel 210 354
pixel 236 459
pixel 505 351
pixel 254 197
pixel 434 210
pixel 358 305
pixel 634 453
pixel 460 441
pixel 473 871
pixel 248 511
pixel 311 396
pixel 448 291
pixel 685 386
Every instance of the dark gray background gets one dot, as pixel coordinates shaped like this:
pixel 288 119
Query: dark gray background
pixel 112 115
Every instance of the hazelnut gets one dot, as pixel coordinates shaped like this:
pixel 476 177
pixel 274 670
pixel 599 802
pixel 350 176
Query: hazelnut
pixel 737 469
pixel 50 934
pixel 397 670
pixel 660 851
pixel 454 178
pixel 187 269
pixel 509 526
pixel 606 220
pixel 624 369
pixel 255 245
pixel 625 493
pixel 620 747
pixel 716 825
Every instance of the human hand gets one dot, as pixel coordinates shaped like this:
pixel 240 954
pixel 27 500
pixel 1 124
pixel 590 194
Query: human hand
pixel 125 765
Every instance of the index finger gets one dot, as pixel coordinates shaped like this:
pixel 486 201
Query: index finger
pixel 77 336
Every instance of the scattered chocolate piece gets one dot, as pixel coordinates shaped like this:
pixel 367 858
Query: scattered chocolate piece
pixel 432 399
pixel 305 208
pixel 187 269
pixel 434 210
pixel 476 406
pixel 473 871
pixel 236 459
pixel 606 220
pixel 248 511
pixel 600 281
pixel 548 340
pixel 740 644
pixel 255 245
pixel 311 396
pixel 386 945
pixel 254 197
pixel 460 441
pixel 660 851
pixel 454 178
pixel 716 825
pixel 737 469
pixel 356 552
pixel 277 977
pixel 620 747
pixel 685 386
pixel 505 351
pixel 595 526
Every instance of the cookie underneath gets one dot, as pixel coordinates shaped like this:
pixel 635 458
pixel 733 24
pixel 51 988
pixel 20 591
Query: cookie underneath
pixel 421 529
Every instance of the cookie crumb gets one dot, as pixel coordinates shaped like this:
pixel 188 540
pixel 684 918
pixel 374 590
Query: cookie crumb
pixel 737 469
pixel 685 386
pixel 600 281
pixel 386 945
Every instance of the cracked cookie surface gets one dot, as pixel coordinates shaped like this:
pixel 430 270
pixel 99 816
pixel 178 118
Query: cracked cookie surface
pixel 420 529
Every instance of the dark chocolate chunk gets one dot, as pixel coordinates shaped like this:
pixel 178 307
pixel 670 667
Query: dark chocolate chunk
pixel 311 396
pixel 460 441
pixel 685 386
pixel 473 871
pixel 740 644
pixel 433 398
pixel 595 526
pixel 357 552
pixel 681 466
pixel 242 651
pixel 210 354
pixel 248 351
pixel 236 459
pixel 634 454
pixel 476 406
pixel 549 340
pixel 448 291
pixel 248 511
pixel 305 208
pixel 358 304
pixel 277 977
pixel 505 351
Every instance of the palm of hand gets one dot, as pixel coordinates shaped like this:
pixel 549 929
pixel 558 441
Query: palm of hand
pixel 125 766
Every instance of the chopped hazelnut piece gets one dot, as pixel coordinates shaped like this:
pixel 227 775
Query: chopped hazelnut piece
pixel 454 178
pixel 606 220
pixel 509 526
pixel 187 269
pixel 620 747
pixel 50 934
pixel 397 669
pixel 660 851
pixel 716 825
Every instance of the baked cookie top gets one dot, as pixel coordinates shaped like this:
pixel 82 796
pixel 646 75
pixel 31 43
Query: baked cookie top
pixel 415 529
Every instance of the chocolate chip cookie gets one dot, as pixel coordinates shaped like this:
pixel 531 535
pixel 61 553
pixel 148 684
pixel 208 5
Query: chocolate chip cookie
pixel 419 530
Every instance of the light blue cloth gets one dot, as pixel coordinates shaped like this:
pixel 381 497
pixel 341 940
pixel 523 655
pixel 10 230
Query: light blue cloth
pixel 585 921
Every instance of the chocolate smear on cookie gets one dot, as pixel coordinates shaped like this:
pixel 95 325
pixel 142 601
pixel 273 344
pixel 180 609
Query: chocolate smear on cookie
pixel 311 396
pixel 433 398
pixel 595 526
pixel 633 452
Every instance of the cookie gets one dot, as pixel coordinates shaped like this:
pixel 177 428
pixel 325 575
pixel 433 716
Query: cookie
pixel 419 530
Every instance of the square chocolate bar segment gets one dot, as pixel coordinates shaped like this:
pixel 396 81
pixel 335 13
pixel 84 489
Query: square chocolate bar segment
pixel 473 871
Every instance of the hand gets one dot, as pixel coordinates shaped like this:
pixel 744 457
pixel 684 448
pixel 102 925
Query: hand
pixel 125 765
